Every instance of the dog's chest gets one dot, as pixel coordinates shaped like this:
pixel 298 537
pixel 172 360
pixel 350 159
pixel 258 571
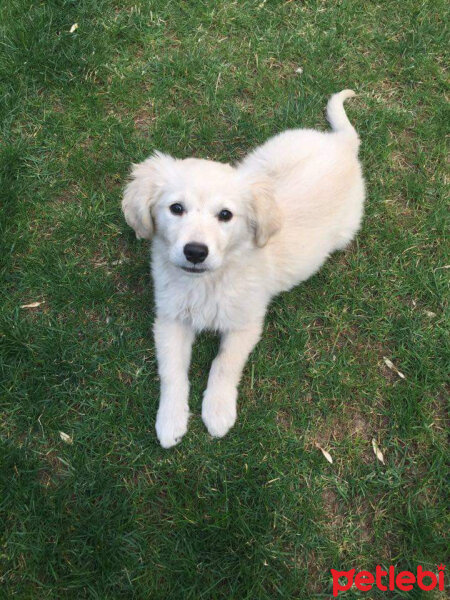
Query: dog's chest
pixel 206 303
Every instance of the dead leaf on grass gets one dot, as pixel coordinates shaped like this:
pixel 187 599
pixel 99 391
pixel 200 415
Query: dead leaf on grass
pixel 32 304
pixel 65 437
pixel 325 453
pixel 377 451
pixel 390 365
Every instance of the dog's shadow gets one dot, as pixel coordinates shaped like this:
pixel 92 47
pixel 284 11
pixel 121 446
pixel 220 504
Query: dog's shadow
pixel 204 350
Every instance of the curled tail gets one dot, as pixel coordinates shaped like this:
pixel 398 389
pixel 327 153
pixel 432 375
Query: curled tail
pixel 336 113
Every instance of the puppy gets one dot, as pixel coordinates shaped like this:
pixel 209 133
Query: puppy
pixel 227 239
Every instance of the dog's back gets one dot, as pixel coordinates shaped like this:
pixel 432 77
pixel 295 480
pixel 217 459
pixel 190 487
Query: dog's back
pixel 318 187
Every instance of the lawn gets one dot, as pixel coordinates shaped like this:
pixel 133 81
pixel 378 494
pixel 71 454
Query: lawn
pixel 259 514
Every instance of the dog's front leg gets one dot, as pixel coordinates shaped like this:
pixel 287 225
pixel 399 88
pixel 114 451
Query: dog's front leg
pixel 219 402
pixel 173 341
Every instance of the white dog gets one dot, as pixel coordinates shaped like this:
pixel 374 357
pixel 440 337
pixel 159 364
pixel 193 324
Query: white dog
pixel 227 239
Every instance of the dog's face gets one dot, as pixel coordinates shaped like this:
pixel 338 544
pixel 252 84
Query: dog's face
pixel 202 210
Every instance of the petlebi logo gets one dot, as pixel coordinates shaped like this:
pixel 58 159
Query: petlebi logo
pixel 390 580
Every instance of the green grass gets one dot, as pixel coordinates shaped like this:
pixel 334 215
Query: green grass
pixel 259 514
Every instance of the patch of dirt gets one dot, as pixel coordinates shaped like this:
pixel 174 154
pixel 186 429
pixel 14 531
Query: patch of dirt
pixel 403 148
pixel 317 572
pixel 333 508
pixel 71 194
pixel 441 418
pixel 342 517
pixel 284 420
pixel 384 92
pixel 336 429
pixel 365 523
pixel 144 118
pixel 354 425
pixel 54 470
pixel 57 106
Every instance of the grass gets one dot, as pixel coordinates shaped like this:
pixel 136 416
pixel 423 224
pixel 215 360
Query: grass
pixel 259 514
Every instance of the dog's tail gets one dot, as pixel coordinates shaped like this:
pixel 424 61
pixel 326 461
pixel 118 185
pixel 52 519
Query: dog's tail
pixel 336 113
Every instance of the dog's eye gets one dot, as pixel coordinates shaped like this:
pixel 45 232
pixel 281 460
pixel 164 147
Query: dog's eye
pixel 225 215
pixel 176 209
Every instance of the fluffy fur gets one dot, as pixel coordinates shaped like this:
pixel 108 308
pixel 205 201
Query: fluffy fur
pixel 294 200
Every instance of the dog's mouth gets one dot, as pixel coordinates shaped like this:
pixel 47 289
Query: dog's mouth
pixel 194 270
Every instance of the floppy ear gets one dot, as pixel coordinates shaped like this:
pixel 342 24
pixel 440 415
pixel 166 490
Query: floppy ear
pixel 142 192
pixel 265 214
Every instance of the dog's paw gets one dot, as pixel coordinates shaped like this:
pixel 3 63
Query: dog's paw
pixel 171 424
pixel 219 411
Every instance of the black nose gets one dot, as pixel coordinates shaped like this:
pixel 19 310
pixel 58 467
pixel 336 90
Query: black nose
pixel 195 253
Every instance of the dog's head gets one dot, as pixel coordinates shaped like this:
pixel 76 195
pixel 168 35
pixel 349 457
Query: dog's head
pixel 202 210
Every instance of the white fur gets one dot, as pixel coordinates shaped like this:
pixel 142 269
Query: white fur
pixel 295 199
